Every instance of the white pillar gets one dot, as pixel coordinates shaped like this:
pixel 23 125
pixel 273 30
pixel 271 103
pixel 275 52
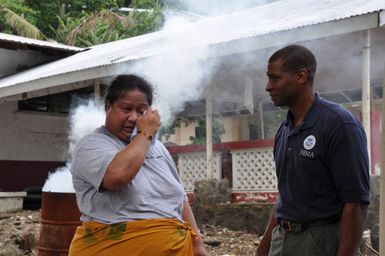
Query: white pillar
pixel 366 92
pixel 209 131
pixel 261 120
pixel 248 99
pixel 382 178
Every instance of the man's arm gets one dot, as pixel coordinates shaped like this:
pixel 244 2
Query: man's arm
pixel 351 228
pixel 264 245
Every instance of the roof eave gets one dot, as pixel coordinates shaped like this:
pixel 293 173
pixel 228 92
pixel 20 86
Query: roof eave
pixel 305 33
pixel 254 42
pixel 57 80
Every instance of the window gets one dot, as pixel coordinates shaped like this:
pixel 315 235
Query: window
pixel 59 102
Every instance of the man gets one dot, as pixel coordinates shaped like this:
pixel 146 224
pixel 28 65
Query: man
pixel 321 162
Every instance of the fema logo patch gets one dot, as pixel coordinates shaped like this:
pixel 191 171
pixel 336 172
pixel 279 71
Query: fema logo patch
pixel 309 142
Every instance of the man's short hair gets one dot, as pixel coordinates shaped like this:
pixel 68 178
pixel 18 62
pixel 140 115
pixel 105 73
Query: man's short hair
pixel 294 57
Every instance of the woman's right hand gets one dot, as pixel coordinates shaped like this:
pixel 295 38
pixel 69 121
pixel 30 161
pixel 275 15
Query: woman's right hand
pixel 149 121
pixel 199 248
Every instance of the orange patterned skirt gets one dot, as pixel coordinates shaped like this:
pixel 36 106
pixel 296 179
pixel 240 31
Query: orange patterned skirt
pixel 153 237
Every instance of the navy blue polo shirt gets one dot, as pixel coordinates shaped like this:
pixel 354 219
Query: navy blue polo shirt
pixel 320 164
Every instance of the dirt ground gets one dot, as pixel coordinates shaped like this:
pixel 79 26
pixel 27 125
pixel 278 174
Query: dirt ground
pixel 19 235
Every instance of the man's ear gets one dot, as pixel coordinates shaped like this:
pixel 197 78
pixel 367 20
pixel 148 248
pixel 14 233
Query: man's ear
pixel 302 76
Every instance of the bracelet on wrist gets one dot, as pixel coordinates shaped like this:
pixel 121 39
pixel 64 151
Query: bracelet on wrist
pixel 145 134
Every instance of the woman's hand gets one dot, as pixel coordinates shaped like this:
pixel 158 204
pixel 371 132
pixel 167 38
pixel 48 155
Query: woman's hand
pixel 199 248
pixel 149 121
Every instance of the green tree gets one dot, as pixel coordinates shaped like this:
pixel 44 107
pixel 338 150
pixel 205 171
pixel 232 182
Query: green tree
pixel 109 24
pixel 166 131
pixel 218 130
pixel 100 27
pixel 17 18
pixel 52 13
pixel 79 22
pixel 145 22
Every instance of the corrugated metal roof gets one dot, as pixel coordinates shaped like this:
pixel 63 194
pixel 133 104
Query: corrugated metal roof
pixel 265 19
pixel 40 43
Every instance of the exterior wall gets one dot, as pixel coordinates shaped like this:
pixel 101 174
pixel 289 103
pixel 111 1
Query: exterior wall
pixel 233 129
pixel 18 175
pixel 30 142
pixel 15 59
pixel 32 136
pixel 182 134
pixel 236 129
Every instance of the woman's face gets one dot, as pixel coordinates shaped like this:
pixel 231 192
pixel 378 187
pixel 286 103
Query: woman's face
pixel 121 116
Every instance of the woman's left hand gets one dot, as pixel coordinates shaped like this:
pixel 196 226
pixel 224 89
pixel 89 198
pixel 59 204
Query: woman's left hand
pixel 199 248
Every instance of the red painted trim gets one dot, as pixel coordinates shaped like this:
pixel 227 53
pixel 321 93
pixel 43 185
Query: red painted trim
pixel 18 175
pixel 222 146
pixel 252 197
pixel 246 197
pixel 186 149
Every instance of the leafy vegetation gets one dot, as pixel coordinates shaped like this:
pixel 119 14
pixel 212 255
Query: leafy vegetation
pixel 79 22
pixel 200 134
pixel 167 130
pixel 17 18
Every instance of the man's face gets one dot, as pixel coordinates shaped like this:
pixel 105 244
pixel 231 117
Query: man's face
pixel 122 115
pixel 282 86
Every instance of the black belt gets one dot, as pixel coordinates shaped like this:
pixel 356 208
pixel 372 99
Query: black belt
pixel 299 227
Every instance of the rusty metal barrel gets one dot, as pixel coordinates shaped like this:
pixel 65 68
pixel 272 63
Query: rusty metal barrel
pixel 59 218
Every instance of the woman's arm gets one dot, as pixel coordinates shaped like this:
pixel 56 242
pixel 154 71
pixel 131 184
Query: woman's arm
pixel 188 216
pixel 127 163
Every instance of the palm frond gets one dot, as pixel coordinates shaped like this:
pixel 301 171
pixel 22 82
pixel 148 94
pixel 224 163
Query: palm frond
pixel 109 18
pixel 21 26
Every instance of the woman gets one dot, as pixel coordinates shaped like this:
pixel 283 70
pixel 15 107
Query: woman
pixel 127 188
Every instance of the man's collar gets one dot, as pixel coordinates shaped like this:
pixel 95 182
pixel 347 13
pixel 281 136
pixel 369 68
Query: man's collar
pixel 310 117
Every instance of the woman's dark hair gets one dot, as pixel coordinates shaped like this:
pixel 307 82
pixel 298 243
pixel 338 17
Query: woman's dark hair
pixel 294 57
pixel 123 83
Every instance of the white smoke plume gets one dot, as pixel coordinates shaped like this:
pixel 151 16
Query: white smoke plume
pixel 179 75
pixel 84 119
pixel 60 180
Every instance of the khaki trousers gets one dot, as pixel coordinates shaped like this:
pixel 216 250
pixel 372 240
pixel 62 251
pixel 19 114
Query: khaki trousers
pixel 314 241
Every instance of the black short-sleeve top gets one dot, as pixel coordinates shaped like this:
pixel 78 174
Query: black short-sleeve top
pixel 321 164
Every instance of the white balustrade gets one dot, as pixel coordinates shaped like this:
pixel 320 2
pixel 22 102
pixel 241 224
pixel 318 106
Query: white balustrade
pixel 254 170
pixel 192 167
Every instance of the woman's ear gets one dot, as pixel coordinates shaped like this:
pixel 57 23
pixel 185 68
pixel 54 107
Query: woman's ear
pixel 107 107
